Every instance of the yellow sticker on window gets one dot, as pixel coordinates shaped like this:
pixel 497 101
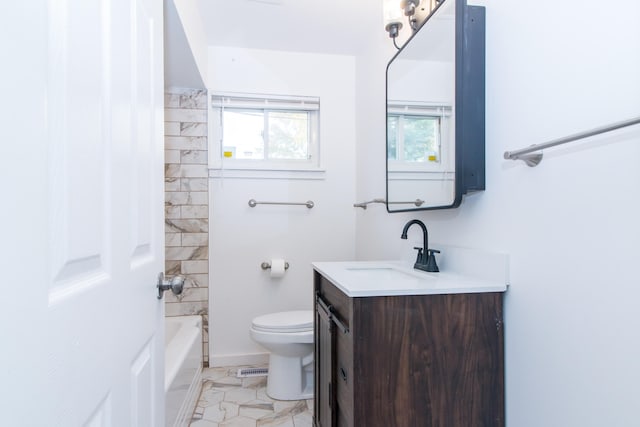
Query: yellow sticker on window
pixel 432 158
pixel 228 154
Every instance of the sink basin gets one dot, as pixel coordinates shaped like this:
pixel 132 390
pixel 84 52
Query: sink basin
pixel 380 278
pixel 387 273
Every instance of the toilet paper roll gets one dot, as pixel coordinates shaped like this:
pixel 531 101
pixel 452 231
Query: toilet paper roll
pixel 277 268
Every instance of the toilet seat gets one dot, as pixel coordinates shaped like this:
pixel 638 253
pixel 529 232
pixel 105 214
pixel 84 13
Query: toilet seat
pixel 285 322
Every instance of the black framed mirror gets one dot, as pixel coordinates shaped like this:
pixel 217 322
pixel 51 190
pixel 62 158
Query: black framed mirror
pixel 435 111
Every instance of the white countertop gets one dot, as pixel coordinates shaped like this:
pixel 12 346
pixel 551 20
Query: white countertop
pixel 385 278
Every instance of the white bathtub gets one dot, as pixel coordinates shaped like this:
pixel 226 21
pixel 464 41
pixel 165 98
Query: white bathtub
pixel 183 368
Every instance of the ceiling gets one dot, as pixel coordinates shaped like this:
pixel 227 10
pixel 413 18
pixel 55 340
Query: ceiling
pixel 343 27
pixel 318 26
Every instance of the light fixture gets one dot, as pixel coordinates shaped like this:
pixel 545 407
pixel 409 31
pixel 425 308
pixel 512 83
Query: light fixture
pixel 393 10
pixel 392 18
pixel 409 6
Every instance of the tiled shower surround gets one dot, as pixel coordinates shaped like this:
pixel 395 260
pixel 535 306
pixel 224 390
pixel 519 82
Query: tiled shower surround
pixel 186 204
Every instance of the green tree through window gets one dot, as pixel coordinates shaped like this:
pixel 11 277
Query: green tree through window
pixel 413 138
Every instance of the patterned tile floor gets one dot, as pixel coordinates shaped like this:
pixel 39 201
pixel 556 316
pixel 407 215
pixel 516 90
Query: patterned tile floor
pixel 228 401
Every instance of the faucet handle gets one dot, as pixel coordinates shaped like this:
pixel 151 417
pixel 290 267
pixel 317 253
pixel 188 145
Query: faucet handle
pixel 432 266
pixel 420 256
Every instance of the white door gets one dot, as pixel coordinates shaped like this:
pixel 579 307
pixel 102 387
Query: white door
pixel 82 178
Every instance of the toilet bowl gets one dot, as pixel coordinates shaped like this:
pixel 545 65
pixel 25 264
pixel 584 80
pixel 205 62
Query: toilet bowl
pixel 288 335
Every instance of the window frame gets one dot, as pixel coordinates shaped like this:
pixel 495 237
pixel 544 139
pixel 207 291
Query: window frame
pixel 443 114
pixel 219 101
pixel 401 140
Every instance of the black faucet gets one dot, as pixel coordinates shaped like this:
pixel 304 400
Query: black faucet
pixel 426 260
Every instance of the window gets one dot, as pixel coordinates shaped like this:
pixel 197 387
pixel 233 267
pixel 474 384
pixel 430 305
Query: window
pixel 266 132
pixel 413 138
pixel 414 135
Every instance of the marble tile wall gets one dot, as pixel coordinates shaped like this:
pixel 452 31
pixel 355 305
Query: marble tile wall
pixel 186 204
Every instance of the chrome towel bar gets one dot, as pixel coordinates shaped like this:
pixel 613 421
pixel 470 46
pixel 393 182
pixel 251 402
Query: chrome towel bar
pixel 363 205
pixel 308 203
pixel 532 159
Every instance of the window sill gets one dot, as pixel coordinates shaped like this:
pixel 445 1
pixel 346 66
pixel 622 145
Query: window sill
pixel 394 175
pixel 236 173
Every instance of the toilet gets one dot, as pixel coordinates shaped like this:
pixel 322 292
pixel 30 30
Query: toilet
pixel 288 335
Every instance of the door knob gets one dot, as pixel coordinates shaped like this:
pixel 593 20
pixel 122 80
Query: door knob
pixel 176 284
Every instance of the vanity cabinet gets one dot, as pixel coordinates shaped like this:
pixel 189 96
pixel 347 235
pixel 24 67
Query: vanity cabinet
pixel 408 360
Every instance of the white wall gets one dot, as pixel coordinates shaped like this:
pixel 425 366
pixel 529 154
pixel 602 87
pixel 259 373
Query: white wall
pixel 243 237
pixel 570 224
pixel 183 65
pixel 190 17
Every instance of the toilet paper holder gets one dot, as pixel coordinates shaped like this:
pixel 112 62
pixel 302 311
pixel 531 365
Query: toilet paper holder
pixel 267 265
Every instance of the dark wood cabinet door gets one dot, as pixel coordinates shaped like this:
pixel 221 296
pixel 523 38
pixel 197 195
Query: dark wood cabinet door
pixel 324 368
pixel 429 361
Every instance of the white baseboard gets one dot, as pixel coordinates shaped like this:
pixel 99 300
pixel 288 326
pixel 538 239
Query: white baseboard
pixel 223 360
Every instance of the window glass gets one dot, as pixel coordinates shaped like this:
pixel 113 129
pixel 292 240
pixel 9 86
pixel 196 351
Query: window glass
pixel 270 132
pixel 243 134
pixel 420 139
pixel 412 138
pixel 288 135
